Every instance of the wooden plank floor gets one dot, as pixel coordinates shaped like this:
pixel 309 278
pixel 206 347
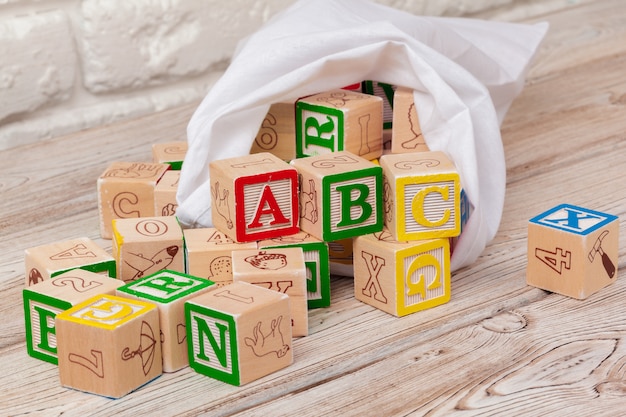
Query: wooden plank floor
pixel 498 347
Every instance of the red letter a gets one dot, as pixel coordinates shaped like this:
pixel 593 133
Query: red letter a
pixel 268 200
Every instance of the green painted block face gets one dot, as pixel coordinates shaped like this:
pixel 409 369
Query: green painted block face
pixel 165 286
pixel 106 266
pixel 39 313
pixel 319 130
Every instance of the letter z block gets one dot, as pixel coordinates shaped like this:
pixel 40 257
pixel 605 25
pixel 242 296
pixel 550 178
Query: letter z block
pixel 254 197
pixel 239 333
pixel 572 250
pixel 421 196
pixel 109 345
pixel 340 196
pixel 401 278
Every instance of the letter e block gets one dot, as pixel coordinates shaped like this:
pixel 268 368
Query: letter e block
pixel 572 250
pixel 239 333
pixel 406 133
pixel 171 153
pixel 277 134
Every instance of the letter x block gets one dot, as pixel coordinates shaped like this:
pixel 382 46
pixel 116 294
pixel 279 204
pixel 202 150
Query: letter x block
pixel 254 197
pixel 109 345
pixel 169 290
pixel 401 278
pixel 572 250
pixel 421 196
pixel 340 196
pixel 239 333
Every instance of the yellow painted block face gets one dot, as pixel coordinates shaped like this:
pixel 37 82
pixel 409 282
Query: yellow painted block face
pixel 106 311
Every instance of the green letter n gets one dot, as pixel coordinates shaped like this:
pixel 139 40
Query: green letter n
pixel 220 349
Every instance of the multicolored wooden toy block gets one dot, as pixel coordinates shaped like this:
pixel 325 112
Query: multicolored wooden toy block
pixel 171 153
pixel 401 278
pixel 254 197
pixel 339 120
pixel 466 211
pixel 277 134
pixel 316 261
pixel 108 345
pixel 146 245
pixel 208 254
pixel 126 190
pixel 386 92
pixel 340 256
pixel 340 196
pixel 169 290
pixel 421 195
pixel 572 250
pixel 47 261
pixel 277 269
pixel 406 136
pixel 165 194
pixel 44 300
pixel 239 333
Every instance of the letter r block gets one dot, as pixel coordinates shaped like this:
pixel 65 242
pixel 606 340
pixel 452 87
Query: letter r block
pixel 254 197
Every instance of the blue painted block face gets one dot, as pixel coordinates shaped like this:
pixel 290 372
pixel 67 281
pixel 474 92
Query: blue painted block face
pixel 573 219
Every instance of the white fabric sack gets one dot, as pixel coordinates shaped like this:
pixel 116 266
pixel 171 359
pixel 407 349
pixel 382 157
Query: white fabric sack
pixel 465 73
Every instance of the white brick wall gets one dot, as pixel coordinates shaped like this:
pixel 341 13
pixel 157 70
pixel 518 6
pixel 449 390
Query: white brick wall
pixel 66 65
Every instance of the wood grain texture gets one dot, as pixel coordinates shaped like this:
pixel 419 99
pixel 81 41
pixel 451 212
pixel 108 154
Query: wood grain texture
pixel 499 347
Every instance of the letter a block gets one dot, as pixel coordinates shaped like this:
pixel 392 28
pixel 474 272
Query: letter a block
pixel 254 197
pixel 572 250
pixel 239 333
pixel 421 196
pixel 109 345
pixel 169 290
pixel 339 120
pixel 340 196
pixel 401 278
pixel 44 300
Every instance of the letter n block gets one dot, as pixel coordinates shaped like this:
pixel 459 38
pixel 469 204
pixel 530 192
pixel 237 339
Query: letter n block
pixel 340 196
pixel 109 345
pixel 421 196
pixel 339 120
pixel 169 290
pixel 171 153
pixel 239 333
pixel 44 300
pixel 572 250
pixel 254 197
pixel 401 278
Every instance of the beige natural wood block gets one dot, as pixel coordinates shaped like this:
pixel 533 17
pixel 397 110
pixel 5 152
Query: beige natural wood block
pixel 277 269
pixel 126 190
pixel 340 195
pixel 386 92
pixel 165 194
pixel 44 300
pixel 401 278
pixel 108 345
pixel 46 261
pixel 421 195
pixel 169 290
pixel 406 133
pixel 340 255
pixel 572 250
pixel 208 254
pixel 339 120
pixel 277 134
pixel 171 153
pixel 239 333
pixel 254 197
pixel 146 245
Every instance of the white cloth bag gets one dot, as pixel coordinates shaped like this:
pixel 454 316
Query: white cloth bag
pixel 465 73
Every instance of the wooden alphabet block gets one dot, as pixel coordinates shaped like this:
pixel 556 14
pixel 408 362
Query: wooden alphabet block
pixel 386 92
pixel 126 190
pixel 316 261
pixel 466 208
pixel 146 245
pixel 44 300
pixel 47 261
pixel 340 196
pixel 339 120
pixel 254 197
pixel 277 269
pixel 401 278
pixel 169 290
pixel 208 254
pixel 108 345
pixel 572 250
pixel 340 257
pixel 171 153
pixel 421 195
pixel 277 134
pixel 165 194
pixel 406 133
pixel 239 333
